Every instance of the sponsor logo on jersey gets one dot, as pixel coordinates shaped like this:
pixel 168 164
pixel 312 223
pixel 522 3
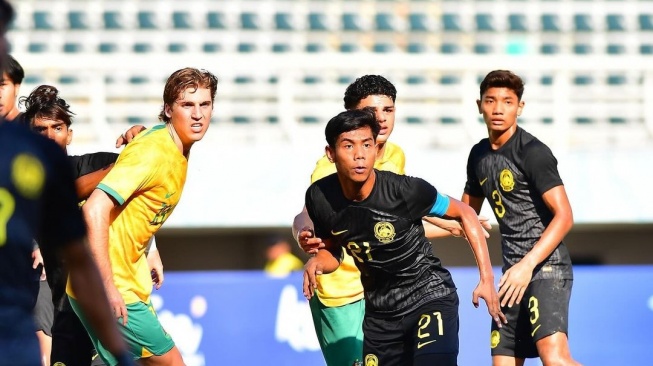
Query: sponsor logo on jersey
pixel 384 231
pixel 506 180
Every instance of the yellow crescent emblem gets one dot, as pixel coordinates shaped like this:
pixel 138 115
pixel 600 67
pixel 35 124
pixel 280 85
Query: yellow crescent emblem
pixel 506 180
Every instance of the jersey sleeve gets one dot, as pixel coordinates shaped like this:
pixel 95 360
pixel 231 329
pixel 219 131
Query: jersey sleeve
pixel 472 186
pixel 323 168
pixel 134 170
pixel 541 167
pixel 63 220
pixel 316 207
pixel 89 163
pixel 422 199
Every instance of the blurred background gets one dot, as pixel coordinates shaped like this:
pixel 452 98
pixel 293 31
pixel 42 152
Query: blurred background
pixel 283 66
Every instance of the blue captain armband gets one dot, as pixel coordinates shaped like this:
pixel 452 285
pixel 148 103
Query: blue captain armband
pixel 441 205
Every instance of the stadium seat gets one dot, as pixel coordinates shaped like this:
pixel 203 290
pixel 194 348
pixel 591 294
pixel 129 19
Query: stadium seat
pixel 37 47
pixel 146 20
pixel 645 22
pixel 351 22
pixel 382 48
pixel 142 47
pixel 549 48
pixel 246 47
pixel 517 23
pixel 280 47
pixel 418 22
pixel 416 47
pixel 211 47
pixel 451 23
pixel 112 20
pixel 550 23
pixel 42 20
pixel 77 20
pixel 106 47
pixel 348 47
pixel 283 21
pixel 615 23
pixel 615 49
pixel 582 49
pixel 215 20
pixel 314 47
pixel 646 49
pixel 482 48
pixel 384 22
pixel 72 47
pixel 181 20
pixel 484 23
pixel 582 23
pixel 450 48
pixel 317 22
pixel 177 47
pixel 249 21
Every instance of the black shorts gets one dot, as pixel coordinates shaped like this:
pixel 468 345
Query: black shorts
pixel 71 345
pixel 426 336
pixel 43 309
pixel 544 310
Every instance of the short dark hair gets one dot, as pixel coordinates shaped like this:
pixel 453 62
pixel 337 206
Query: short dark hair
pixel 503 79
pixel 44 102
pixel 183 79
pixel 349 121
pixel 368 85
pixel 14 70
pixel 6 16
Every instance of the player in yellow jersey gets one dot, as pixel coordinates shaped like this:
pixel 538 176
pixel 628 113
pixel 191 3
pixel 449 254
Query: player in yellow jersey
pixel 134 200
pixel 339 307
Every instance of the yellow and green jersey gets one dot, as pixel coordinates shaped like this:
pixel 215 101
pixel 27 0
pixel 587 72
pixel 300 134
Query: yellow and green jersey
pixel 344 285
pixel 146 182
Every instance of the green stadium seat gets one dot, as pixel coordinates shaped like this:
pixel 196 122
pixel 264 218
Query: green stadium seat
pixel 646 49
pixel 383 22
pixel 449 120
pixel 177 47
pixel 314 47
pixel 617 120
pixel 615 23
pixel 382 48
pixel 582 23
pixel 72 47
pixel 243 80
pixel 348 47
pixel 416 47
pixel 68 79
pixel 583 120
pixel 146 20
pixel 249 21
pixel 138 79
pixel 311 79
pixel 517 23
pixel 615 49
pixel 142 47
pixel 482 48
pixel 549 49
pixel 350 22
pixel 280 47
pixel 317 22
pixel 414 120
pixel 546 80
pixel 215 20
pixel 484 23
pixel 449 79
pixel 616 80
pixel 77 20
pixel 246 47
pixel 37 47
pixel 181 20
pixel 136 120
pixel 309 119
pixel 345 79
pixel 645 22
pixel 449 48
pixel 283 21
pixel 583 80
pixel 415 80
pixel 582 49
pixel 418 22
pixel 211 47
pixel 241 119
pixel 112 20
pixel 42 20
pixel 106 47
pixel 550 23
pixel 451 23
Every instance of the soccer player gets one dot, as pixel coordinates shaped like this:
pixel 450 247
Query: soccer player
pixel 338 307
pixel 518 175
pixel 10 81
pixel 37 196
pixel 134 200
pixel 50 115
pixel 411 305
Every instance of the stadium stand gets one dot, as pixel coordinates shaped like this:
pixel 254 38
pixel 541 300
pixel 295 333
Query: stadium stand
pixel 287 62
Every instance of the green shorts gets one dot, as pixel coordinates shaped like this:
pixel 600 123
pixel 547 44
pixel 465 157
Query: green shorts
pixel 143 333
pixel 339 331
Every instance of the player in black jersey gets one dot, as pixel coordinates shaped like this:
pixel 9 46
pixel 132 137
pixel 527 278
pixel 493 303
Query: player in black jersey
pixel 37 196
pixel 518 175
pixel 411 311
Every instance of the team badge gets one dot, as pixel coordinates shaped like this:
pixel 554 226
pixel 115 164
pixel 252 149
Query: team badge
pixel 506 180
pixel 371 360
pixel 384 231
pixel 28 175
pixel 495 338
pixel 59 364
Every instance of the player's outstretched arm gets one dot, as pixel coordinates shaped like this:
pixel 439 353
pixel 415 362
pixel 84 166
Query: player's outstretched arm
pixel 129 135
pixel 323 262
pixel 87 285
pixel 474 234
pixel 97 212
pixel 86 184
pixel 436 227
pixel 302 231
pixel 515 280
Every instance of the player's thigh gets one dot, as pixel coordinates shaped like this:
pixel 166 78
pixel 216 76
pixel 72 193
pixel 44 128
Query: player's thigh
pixel 513 339
pixel 339 331
pixel 143 332
pixel 548 306
pixel 385 342
pixel 554 350
pixel 433 329
pixel 507 361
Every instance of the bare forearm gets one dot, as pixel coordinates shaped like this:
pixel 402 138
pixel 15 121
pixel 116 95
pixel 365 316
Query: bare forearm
pixel 87 286
pixel 328 261
pixel 97 223
pixel 478 244
pixel 85 185
pixel 435 227
pixel 302 220
pixel 551 238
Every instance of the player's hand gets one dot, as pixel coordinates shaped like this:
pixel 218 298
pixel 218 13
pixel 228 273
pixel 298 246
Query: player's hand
pixel 485 224
pixel 312 268
pixel 117 304
pixel 308 242
pixel 513 283
pixel 38 261
pixel 156 268
pixel 485 290
pixel 129 135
